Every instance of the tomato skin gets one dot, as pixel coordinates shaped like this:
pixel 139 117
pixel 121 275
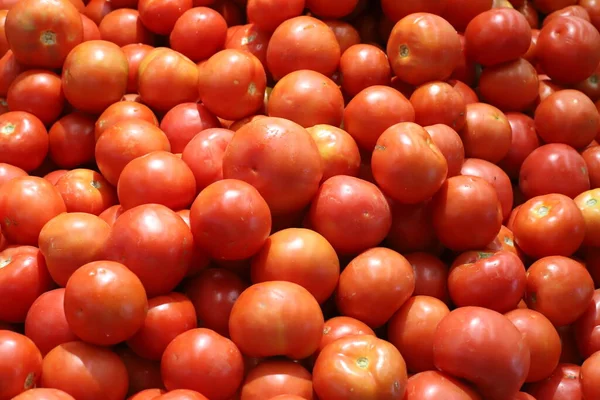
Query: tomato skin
pixel 543 341
pixel 9 171
pixel 182 394
pixel 450 145
pixel 495 177
pixel 417 64
pixel 71 140
pixel 428 385
pixel 549 225
pixel 586 328
pixel 439 103
pixel 560 288
pixel 510 86
pixel 123 27
pixel 339 151
pixel 184 121
pixel 24 140
pixel 563 163
pixel 460 12
pixel 363 355
pixel 524 141
pixel 591 156
pixel 267 15
pixel 85 190
pixel 122 111
pixel 142 373
pixel 339 327
pixel 275 378
pixel 292 315
pixel 149 394
pixel 487 133
pixel 9 70
pixel 587 202
pixel 135 53
pixel 43 394
pixel 90 29
pixel 589 375
pixel 85 371
pixel 47 45
pixel 362 66
pixel 395 11
pixel 462 349
pixel 198 33
pixel 160 17
pixel 37 92
pixel 563 384
pixel 18 350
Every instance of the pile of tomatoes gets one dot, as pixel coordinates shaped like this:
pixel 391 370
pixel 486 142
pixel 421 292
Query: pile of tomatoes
pixel 299 199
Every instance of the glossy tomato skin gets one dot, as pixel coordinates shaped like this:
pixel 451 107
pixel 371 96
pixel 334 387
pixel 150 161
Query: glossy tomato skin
pixel 573 62
pixel 271 378
pixel 563 163
pixel 71 140
pixel 47 45
pixel 85 371
pixel 37 92
pixel 339 327
pixel 362 66
pixel 495 177
pixel 439 103
pixel 351 213
pixel 122 111
pixel 363 355
pixel 18 199
pixel 563 384
pixel 24 140
pixel 9 171
pixel 198 33
pixel 496 361
pixel 591 156
pixel 450 144
pixel 487 133
pixel 586 328
pixel 549 225
pixel 43 394
pixel 135 53
pixel 11 68
pixel 524 140
pixel 416 64
pixel 182 122
pixel 589 375
pixel 412 228
pixel 428 385
pixel 267 15
pixel 85 190
pixel 339 151
pixel 587 202
pixel 292 314
pixel 123 27
pixel 142 373
pixel 543 341
pixel 252 39
pixel 161 257
pixel 560 288
pixel 161 16
pixel 510 86
pixel 18 350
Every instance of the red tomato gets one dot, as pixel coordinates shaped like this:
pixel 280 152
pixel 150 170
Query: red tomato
pixel 182 394
pixel 429 385
pixel 273 378
pixel 362 66
pixel 41 34
pixel 267 15
pixel 213 293
pixel 4 46
pixel 26 204
pixel 346 34
pixel 85 190
pixel 37 92
pixel 439 103
pixel 9 70
pixel 542 339
pixel 184 365
pixel 589 205
pixel 142 373
pixel 276 309
pixel 591 156
pixel 160 16
pixel 198 33
pixel 55 175
pixel 590 376
pixel 423 47
pixel 122 111
pixel 467 93
pixel 487 133
pixel 307 98
pixel 593 9
pixel 412 228
pixel 8 172
pixel 395 10
pixel 90 29
pixel 71 140
pixel 549 225
pixel 493 175
pixel 360 367
pixel 160 257
pixel 560 288
pixel 85 371
pixel 563 163
pixel 339 327
pixel 524 141
pixel 511 86
pixel 184 121
pixel 24 140
pixel 43 394
pixel 563 384
pixel 279 158
pixel 374 110
pixel 135 53
pixel 460 12
pixel 450 145
pixel 339 152
pixel 123 27
pixel 97 9
pixel 152 394
pixel 302 43
pixel 483 347
pixel 18 350
pixel 587 328
pixel 431 275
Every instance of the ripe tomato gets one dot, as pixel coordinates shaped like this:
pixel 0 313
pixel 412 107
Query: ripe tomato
pixel 395 10
pixel 142 373
pixel 43 394
pixel 160 257
pixel 339 327
pixel 273 378
pixel 460 12
pixel 122 111
pixel 279 158
pixel 362 66
pixel 339 152
pixel 487 133
pixel 135 53
pixel 252 39
pixel 267 15
pixel 90 29
pixel 511 86
pixel 523 141
pixel 431 275
pixel 85 371
pixel 450 145
pixel 372 111
pixel 183 364
pixel 213 293
pixel 124 26
pixel 560 288
pixel 85 190
pixel 10 69
pixel 279 308
pixel 589 376
pixel 302 43
pixel 483 347
pixel 495 177
pixel 353 367
pixel 26 204
pixel 41 33
pixel 411 228
pixel 346 34
pixel 587 327
pixel 37 92
pixel 95 75
pixel 161 16
pixel 198 33
pixel 563 384
pixel 591 156
pixel 439 103
pixel 588 203
pixel 18 350
pixel 23 140
pixel 182 394
pixel 182 122
pixel 542 339
pixel 415 63
pixel 429 385
pixel 71 140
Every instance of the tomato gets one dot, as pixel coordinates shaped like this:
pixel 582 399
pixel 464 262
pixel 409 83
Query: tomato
pixel 460 12
pixel 55 175
pixel 8 172
pixel 17 349
pixel 360 367
pixel 276 309
pixel 10 69
pixel 184 121
pixel 560 288
pixel 483 347
pixel 23 140
pixel 511 86
pixel 90 29
pixel 524 141
pixel 429 385
pixel 411 228
pixel 587 328
pixel 85 371
pixel 43 394
pixel 182 394
pixel 563 163
pixel 122 111
pixel 267 15
pixel 439 103
pixel 302 43
pixel 466 92
pixel 198 33
pixel 26 204
pixel 37 92
pixel 362 66
pixel 97 9
pixel 213 293
pixel 274 378
pixel 321 99
pixel 495 177
pixel 151 394
pixel 414 63
pixel 589 375
pixel 431 275
pixel 142 373
pixel 161 16
pixel 339 152
pixel 339 327
pixel 4 46
pixel 487 134
pixel 346 35
pixel 167 78
pixel 85 190
pixel 572 62
pixel 41 34
pixel 593 9
pixel 587 202
pixel 135 53
pixel 124 27
pixel 549 225
pixel 279 158
pixel 591 156
pixel 450 145
pixel 563 384
pixel 160 257
pixel 71 140
pixel 125 141
pixel 372 111
pixel 183 364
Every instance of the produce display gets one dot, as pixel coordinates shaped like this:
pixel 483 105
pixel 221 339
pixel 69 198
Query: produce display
pixel 299 200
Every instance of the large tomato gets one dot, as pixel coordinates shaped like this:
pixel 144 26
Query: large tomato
pixel 18 350
pixel 362 66
pixel 199 33
pixel 160 16
pixel 360 367
pixel 38 92
pixel 450 144
pixel 524 140
pixel 135 53
pixel 71 140
pixel 123 27
pixel 439 103
pixel 487 133
pixel 589 376
pixel 495 177
pixel 563 384
pixel 121 111
pixel 339 152
pixel 85 190
pixel 183 122
pixel 9 171
pixel 432 385
pixel 510 86
pixel 23 140
pixel 460 12
pixel 272 378
pixel 339 327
